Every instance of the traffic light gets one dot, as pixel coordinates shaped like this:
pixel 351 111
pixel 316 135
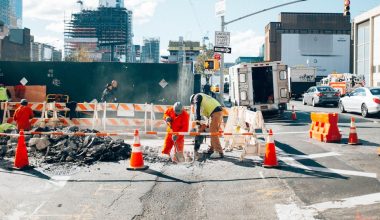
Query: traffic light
pixel 346 8
pixel 211 64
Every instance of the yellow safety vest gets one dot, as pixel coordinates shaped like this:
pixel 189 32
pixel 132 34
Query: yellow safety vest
pixel 3 94
pixel 208 105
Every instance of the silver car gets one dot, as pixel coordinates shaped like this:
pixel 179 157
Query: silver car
pixel 321 95
pixel 364 100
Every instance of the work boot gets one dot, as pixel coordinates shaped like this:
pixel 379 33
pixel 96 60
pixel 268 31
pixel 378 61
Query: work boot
pixel 196 155
pixel 165 157
pixel 216 155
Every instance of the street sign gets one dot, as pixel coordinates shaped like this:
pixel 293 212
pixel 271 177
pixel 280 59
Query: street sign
pixel 222 39
pixel 220 8
pixel 222 49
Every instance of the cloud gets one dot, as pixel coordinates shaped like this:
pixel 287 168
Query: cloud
pixel 246 43
pixel 50 15
pixel 143 10
pixel 56 27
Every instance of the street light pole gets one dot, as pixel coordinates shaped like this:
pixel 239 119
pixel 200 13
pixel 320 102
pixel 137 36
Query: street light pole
pixel 221 69
pixel 224 24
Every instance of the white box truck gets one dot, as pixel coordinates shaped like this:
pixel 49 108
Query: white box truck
pixel 300 80
pixel 261 86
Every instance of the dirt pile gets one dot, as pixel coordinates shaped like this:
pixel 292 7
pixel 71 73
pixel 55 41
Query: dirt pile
pixel 69 148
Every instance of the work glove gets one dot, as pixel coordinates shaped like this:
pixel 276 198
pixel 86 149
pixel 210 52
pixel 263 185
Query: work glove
pixel 174 138
pixel 168 120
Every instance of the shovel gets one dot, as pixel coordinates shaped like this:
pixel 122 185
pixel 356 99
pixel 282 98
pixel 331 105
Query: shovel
pixel 178 156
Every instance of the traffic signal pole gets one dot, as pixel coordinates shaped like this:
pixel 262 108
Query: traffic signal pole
pixel 223 25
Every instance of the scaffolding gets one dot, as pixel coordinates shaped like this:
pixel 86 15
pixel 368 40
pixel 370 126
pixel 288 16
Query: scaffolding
pixel 104 34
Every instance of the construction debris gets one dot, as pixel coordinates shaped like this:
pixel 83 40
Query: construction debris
pixel 69 148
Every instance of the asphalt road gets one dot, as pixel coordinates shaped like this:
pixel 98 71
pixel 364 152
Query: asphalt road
pixel 315 181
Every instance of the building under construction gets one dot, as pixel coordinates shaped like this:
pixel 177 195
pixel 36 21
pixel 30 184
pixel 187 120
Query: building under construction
pixel 104 34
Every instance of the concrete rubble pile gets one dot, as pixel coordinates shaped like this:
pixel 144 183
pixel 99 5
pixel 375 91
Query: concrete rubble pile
pixel 69 148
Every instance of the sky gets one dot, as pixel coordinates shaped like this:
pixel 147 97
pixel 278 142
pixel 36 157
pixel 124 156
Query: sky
pixel 192 19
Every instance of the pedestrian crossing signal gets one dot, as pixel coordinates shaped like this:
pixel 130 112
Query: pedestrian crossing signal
pixel 211 64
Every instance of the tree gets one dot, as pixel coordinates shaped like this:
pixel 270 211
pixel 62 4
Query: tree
pixel 201 58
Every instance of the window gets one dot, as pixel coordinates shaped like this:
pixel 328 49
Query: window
pixel 283 93
pixel 283 75
pixel 243 96
pixel 375 91
pixel 242 78
pixel 325 89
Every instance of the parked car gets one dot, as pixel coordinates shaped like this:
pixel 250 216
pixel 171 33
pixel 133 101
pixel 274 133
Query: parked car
pixel 320 95
pixel 364 100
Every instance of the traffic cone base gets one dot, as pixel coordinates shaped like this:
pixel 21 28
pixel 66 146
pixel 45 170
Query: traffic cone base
pixel 136 161
pixel 138 168
pixel 21 156
pixel 270 159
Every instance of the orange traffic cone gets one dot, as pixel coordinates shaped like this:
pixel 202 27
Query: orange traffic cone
pixel 137 162
pixel 21 156
pixel 353 137
pixel 270 159
pixel 294 116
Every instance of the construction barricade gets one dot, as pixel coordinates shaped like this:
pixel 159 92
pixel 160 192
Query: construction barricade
pixel 324 127
pixel 93 115
pixel 241 122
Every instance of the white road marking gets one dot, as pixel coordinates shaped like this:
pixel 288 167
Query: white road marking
pixel 350 202
pixel 38 208
pixel 292 211
pixel 337 171
pixel 262 175
pixel 59 181
pixel 310 156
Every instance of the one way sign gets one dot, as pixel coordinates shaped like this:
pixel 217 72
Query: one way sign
pixel 222 49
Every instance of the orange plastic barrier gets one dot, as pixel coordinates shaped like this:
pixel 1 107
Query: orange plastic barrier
pixel 324 127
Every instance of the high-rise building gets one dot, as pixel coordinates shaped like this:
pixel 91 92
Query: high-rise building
pixel 104 34
pixel 11 13
pixel 320 40
pixel 183 51
pixel 150 52
pixel 111 3
pixel 366 32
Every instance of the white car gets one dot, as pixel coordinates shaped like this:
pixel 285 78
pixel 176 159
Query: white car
pixel 364 100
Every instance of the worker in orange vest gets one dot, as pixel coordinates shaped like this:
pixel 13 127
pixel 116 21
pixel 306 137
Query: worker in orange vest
pixel 178 121
pixel 22 116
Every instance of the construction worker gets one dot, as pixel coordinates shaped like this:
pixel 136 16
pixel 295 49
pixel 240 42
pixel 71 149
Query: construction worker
pixel 210 108
pixel 5 96
pixel 22 116
pixel 109 93
pixel 207 88
pixel 178 121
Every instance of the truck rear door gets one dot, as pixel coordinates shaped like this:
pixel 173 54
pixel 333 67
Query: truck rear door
pixel 243 89
pixel 282 84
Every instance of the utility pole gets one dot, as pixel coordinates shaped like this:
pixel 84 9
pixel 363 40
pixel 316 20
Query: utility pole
pixel 223 26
